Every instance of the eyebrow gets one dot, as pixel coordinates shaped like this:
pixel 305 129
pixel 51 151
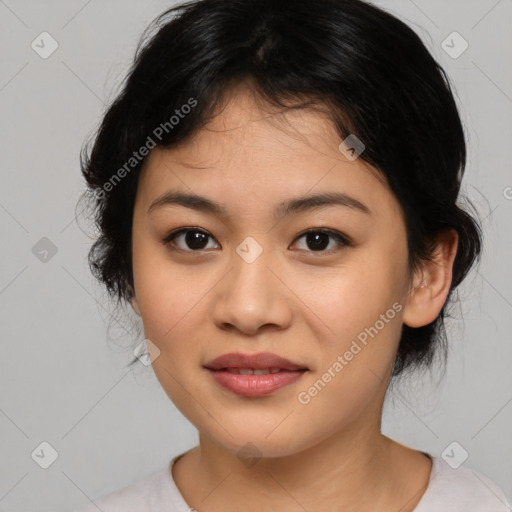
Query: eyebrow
pixel 294 205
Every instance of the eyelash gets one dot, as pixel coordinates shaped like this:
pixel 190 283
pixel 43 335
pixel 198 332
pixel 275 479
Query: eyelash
pixel 342 240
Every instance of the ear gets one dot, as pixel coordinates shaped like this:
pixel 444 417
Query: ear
pixel 432 282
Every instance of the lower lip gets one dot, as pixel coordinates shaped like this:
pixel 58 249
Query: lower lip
pixel 255 385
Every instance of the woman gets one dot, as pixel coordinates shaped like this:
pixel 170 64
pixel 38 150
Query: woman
pixel 276 191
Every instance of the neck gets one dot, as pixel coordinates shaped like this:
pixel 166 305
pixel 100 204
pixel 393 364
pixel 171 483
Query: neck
pixel 358 469
pixel 358 464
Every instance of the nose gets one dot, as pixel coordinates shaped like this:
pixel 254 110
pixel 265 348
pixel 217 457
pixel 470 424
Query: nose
pixel 251 297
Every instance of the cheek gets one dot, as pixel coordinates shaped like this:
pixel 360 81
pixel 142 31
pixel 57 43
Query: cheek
pixel 168 298
pixel 356 312
pixel 354 297
pixel 361 307
pixel 171 310
pixel 170 305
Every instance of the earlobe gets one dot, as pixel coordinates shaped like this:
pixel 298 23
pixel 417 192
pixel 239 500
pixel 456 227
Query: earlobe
pixel 432 283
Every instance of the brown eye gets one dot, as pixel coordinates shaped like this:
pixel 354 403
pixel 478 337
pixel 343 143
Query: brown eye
pixel 318 240
pixel 189 238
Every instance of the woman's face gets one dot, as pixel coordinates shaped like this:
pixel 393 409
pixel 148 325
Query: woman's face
pixel 246 279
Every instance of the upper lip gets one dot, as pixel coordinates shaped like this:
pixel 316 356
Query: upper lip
pixel 260 361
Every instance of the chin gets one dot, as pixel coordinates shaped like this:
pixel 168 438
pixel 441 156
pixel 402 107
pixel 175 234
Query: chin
pixel 253 441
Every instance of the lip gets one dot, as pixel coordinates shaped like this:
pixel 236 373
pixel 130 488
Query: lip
pixel 254 385
pixel 260 361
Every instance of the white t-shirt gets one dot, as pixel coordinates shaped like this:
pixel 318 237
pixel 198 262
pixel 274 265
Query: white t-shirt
pixel 449 490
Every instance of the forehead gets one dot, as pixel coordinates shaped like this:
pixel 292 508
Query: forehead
pixel 252 150
pixel 244 125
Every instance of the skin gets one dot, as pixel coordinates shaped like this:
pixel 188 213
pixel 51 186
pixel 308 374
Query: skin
pixel 305 305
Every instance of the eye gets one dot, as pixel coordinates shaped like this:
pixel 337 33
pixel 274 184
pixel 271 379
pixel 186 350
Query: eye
pixel 195 239
pixel 317 240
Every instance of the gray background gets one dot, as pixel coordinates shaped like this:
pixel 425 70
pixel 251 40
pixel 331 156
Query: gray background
pixel 62 381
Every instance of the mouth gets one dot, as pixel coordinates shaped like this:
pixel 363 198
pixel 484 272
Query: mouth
pixel 252 371
pixel 254 375
pixel 266 361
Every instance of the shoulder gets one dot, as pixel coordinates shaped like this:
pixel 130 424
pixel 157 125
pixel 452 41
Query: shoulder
pixel 136 497
pixel 461 489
